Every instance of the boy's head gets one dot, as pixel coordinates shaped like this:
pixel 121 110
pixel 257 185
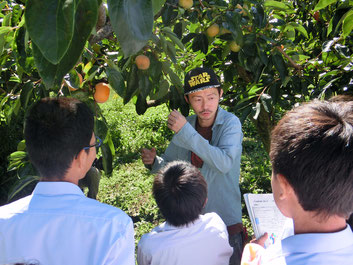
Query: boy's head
pixel 56 130
pixel 180 192
pixel 312 148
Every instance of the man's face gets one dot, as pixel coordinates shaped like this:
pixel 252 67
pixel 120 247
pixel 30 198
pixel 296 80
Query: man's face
pixel 205 104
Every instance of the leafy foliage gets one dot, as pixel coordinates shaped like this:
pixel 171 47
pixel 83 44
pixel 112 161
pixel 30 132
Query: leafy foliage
pixel 290 52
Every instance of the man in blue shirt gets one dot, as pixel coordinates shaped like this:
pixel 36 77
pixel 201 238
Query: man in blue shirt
pixel 58 224
pixel 211 141
pixel 312 183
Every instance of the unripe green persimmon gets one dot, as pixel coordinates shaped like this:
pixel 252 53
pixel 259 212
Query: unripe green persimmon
pixel 186 4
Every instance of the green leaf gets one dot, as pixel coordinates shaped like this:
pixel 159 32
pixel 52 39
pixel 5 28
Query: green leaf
pixel 18 155
pixel 107 159
pixel 280 65
pixel 116 80
pixel 100 129
pixel 145 85
pixel 16 14
pixel 7 20
pixel 20 185
pixel 200 43
pixel 259 16
pixel 162 91
pixel 50 24
pixel 276 5
pixel 171 51
pixel 86 18
pixel 2 5
pixel 324 3
pixel 254 89
pixel 23 55
pixel 168 32
pixel 132 84
pixel 169 12
pixel 21 146
pixel 299 28
pixel 5 30
pixel 348 23
pixel 141 105
pixel 157 5
pixel 173 76
pixel 132 21
pixel 26 94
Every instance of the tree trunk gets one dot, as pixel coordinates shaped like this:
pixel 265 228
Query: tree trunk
pixel 264 127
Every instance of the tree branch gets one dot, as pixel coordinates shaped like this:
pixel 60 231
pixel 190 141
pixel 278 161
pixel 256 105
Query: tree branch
pixel 104 33
pixel 296 66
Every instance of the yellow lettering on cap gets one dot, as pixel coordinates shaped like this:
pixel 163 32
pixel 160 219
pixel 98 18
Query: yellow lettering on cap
pixel 199 79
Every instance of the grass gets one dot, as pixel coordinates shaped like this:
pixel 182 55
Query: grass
pixel 129 187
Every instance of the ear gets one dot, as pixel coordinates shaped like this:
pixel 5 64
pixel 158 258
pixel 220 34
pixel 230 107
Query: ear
pixel 187 99
pixel 80 159
pixel 204 204
pixel 285 188
pixel 221 93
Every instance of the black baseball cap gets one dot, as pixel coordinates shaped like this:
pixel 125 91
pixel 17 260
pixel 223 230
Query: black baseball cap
pixel 199 79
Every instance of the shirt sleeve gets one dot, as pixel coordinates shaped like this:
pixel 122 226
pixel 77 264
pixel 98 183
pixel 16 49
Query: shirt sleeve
pixel 169 155
pixel 122 251
pixel 220 157
pixel 143 258
pixel 252 254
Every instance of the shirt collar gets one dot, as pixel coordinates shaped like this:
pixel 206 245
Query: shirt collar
pixel 56 188
pixel 318 242
pixel 167 226
pixel 219 117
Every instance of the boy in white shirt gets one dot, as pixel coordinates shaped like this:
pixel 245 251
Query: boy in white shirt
pixel 187 237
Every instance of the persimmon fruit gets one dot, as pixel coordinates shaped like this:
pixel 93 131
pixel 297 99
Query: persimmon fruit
pixel 142 62
pixel 213 30
pixel 234 46
pixel 186 4
pixel 102 91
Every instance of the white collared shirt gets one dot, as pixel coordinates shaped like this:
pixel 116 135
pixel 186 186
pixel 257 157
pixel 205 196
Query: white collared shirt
pixel 58 224
pixel 204 241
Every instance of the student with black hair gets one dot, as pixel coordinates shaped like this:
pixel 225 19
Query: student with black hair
pixel 58 224
pixel 312 183
pixel 187 237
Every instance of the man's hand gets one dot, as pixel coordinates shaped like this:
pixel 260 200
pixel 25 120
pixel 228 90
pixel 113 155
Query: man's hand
pixel 261 240
pixel 176 121
pixel 148 155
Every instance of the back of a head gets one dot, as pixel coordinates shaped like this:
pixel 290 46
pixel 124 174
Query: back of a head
pixel 180 192
pixel 312 147
pixel 56 130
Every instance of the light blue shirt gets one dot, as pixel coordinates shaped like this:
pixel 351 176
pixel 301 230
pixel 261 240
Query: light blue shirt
pixel 58 224
pixel 221 157
pixel 310 249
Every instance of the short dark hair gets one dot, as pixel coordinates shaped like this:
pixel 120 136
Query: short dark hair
pixel 56 130
pixel 312 147
pixel 180 192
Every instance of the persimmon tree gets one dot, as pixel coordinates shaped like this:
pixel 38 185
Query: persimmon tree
pixel 269 54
